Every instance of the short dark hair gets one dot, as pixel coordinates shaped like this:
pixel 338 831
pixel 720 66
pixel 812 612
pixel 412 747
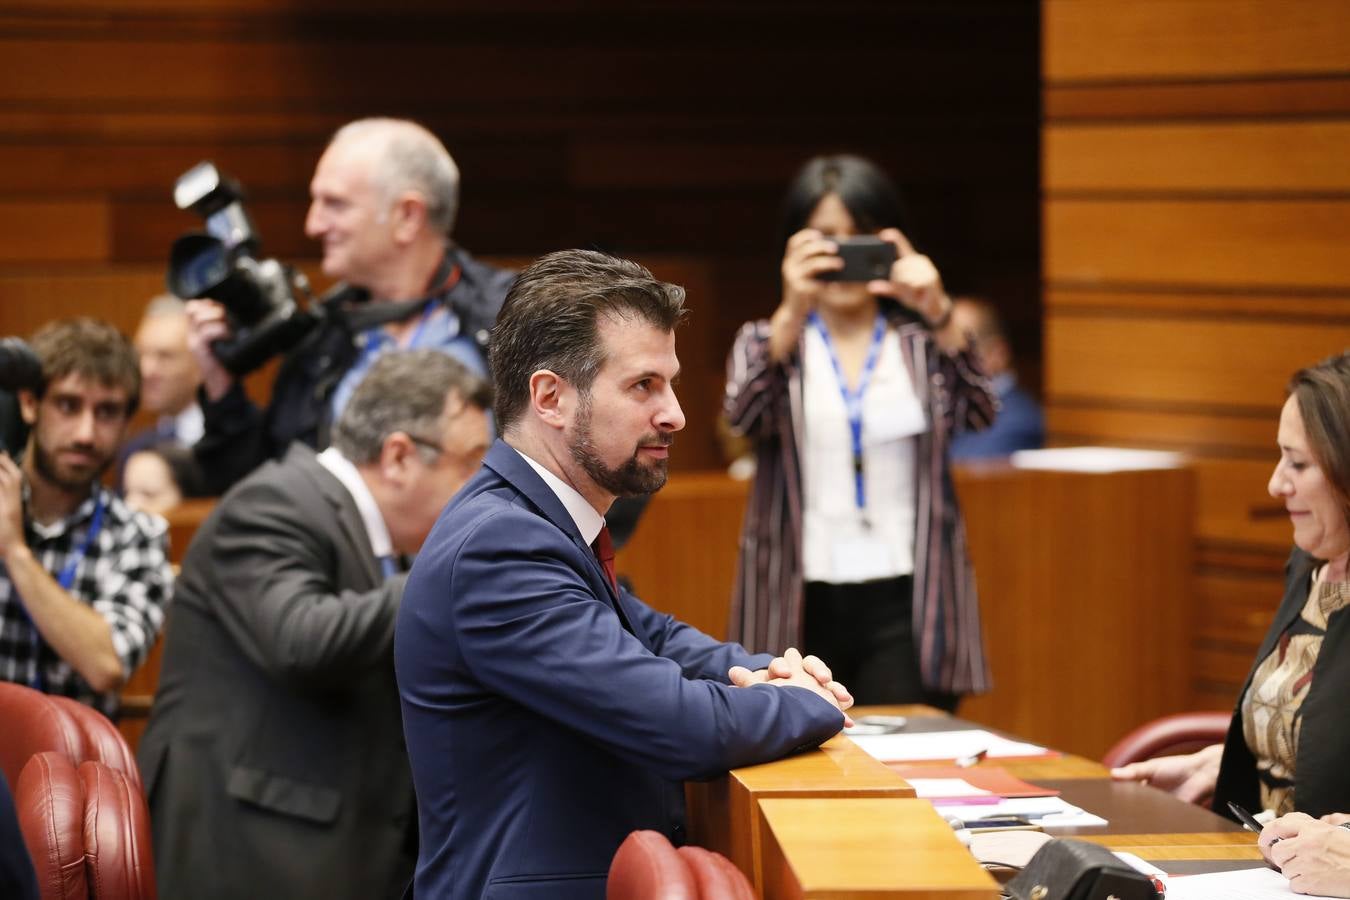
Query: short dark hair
pixel 1322 392
pixel 92 349
pixel 405 390
pixel 549 321
pixel 867 192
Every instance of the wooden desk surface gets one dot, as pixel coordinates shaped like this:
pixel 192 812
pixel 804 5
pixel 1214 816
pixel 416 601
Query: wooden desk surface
pixel 725 814
pixel 858 849
pixel 926 718
pixel 1142 820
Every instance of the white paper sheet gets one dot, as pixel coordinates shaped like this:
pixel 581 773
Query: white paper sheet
pixel 942 745
pixel 945 788
pixel 1096 459
pixel 1242 884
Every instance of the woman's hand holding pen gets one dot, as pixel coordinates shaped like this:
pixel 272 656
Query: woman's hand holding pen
pixel 1313 854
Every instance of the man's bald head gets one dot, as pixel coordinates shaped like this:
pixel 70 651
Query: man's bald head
pixel 404 156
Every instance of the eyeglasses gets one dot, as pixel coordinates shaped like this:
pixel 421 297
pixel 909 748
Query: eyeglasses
pixel 429 444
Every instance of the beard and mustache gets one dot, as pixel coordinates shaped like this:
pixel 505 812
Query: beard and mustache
pixel 44 461
pixel 629 479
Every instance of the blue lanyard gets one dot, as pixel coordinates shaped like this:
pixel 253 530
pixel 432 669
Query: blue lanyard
pixel 66 579
pixel 421 324
pixel 853 400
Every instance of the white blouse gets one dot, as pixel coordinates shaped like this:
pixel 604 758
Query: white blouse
pixel 841 543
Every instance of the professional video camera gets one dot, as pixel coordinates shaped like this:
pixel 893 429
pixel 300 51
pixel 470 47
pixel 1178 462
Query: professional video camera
pixel 20 369
pixel 260 296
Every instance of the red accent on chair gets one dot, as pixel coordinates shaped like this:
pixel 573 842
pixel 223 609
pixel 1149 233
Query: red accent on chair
pixel 1180 733
pixel 717 877
pixel 49 798
pixel 646 867
pixel 117 848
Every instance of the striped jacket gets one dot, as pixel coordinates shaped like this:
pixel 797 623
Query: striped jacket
pixel 764 403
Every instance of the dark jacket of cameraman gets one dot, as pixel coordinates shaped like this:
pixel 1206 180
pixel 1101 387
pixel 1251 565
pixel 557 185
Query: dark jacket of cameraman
pixel 240 437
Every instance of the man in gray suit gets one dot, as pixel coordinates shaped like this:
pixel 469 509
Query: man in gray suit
pixel 274 759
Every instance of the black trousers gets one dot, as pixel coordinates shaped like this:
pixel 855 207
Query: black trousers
pixel 865 633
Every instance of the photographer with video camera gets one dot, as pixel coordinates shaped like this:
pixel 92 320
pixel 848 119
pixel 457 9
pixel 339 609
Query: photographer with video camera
pixel 84 579
pixel 384 198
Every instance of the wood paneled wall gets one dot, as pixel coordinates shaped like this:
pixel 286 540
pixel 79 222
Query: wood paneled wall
pixel 660 129
pixel 1196 221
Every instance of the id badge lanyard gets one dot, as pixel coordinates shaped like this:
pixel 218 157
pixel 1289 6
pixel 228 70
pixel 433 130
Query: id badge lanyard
pixel 66 579
pixel 853 400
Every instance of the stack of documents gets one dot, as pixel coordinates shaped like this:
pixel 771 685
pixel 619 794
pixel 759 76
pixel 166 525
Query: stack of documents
pixel 1047 812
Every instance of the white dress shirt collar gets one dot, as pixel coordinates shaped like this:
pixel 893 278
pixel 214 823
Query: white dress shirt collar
pixel 185 428
pixel 588 521
pixel 343 470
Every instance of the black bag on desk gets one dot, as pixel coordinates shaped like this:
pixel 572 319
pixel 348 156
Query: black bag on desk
pixel 1065 869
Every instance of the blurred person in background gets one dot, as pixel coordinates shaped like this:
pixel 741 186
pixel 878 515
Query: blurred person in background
pixel 273 761
pixel 383 203
pixel 853 546
pixel 159 478
pixel 85 579
pixel 1019 424
pixel 170 378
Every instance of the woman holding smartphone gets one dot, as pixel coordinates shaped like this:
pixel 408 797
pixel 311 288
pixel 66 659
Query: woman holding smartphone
pixel 1289 741
pixel 853 547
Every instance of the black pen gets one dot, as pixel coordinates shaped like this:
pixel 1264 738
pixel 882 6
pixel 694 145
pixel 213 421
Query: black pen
pixel 1247 819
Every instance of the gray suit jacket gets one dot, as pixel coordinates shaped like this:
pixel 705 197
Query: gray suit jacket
pixel 274 759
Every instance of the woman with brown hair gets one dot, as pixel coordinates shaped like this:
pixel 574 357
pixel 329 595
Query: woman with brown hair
pixel 1289 742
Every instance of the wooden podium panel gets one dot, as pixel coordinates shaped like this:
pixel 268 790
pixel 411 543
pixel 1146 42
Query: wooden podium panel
pixel 866 848
pixel 724 814
pixel 1085 586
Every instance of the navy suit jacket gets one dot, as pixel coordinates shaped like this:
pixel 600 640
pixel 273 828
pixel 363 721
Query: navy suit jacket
pixel 1019 425
pixel 547 717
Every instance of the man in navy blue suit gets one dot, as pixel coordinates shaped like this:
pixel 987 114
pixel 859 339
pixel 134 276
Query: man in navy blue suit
pixel 547 712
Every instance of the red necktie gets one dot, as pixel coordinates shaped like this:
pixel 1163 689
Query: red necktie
pixel 604 551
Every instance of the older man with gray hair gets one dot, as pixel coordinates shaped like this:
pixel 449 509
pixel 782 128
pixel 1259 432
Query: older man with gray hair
pixel 274 760
pixel 383 203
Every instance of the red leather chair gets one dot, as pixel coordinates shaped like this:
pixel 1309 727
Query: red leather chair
pixel 117 852
pixel 36 722
pixel 33 724
pixel 1180 733
pixel 49 798
pixel 646 867
pixel 102 741
pixel 87 829
pixel 716 876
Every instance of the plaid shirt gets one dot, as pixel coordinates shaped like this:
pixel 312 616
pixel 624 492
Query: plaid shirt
pixel 124 575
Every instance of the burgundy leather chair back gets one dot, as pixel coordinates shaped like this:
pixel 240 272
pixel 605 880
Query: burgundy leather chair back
pixel 87 830
pixel 34 723
pixel 118 857
pixel 717 878
pixel 646 867
pixel 102 741
pixel 1180 733
pixel 49 797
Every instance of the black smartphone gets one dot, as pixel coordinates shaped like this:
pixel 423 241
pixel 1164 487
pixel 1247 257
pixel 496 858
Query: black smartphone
pixel 866 258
